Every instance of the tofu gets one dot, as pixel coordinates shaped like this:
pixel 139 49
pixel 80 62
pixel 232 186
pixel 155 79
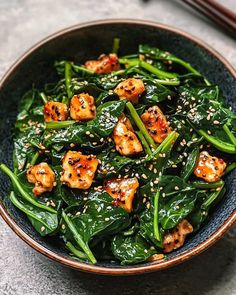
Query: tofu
pixel 105 64
pixel 82 107
pixel 125 139
pixel 43 177
pixel 156 124
pixel 209 168
pixel 175 238
pixel 122 190
pixel 130 89
pixel 55 111
pixel 78 170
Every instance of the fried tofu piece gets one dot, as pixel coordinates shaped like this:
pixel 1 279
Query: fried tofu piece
pixel 130 89
pixel 82 107
pixel 78 170
pixel 105 64
pixel 55 111
pixel 209 168
pixel 156 123
pixel 175 238
pixel 43 177
pixel 122 190
pixel 125 139
pixel 156 257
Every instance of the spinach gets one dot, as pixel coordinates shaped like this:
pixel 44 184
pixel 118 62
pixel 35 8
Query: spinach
pixel 100 127
pixel 98 218
pixel 131 249
pixel 89 221
pixel 43 221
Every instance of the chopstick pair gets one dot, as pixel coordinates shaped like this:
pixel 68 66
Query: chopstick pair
pixel 216 12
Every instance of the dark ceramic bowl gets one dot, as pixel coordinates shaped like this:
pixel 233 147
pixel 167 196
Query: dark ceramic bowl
pixel 81 43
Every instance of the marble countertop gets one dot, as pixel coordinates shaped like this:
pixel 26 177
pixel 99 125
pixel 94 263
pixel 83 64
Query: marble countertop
pixel 23 270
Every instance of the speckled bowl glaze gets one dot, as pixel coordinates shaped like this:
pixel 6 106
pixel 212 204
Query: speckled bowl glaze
pixel 84 42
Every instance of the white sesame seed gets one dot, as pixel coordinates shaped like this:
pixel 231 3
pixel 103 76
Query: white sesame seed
pixel 42 228
pixel 107 219
pixel 176 188
pixel 143 176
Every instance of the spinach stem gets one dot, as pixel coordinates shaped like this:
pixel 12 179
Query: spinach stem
pixel 18 204
pixel 79 69
pixel 212 198
pixel 22 192
pixel 230 134
pixel 59 124
pixel 144 143
pixel 220 145
pixel 156 71
pixel 168 142
pixel 116 45
pixel 140 124
pixel 68 82
pixel 132 62
pixel 78 237
pixel 44 97
pixel 156 219
pixel 229 168
pixel 75 251
pixel 34 159
pixel 206 185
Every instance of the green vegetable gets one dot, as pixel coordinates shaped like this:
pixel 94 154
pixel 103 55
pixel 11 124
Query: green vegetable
pixel 131 250
pixel 191 164
pixel 91 222
pixel 22 192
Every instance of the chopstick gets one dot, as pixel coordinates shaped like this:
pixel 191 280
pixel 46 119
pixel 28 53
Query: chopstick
pixel 216 12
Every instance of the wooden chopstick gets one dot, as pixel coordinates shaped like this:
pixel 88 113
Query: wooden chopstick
pixel 223 17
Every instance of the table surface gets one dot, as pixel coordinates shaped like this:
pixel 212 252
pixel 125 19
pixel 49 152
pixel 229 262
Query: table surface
pixel 23 270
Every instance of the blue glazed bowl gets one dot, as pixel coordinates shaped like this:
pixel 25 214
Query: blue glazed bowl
pixel 80 43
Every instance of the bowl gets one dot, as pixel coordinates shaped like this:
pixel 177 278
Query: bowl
pixel 82 42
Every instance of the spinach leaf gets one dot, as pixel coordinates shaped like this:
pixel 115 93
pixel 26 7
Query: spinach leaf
pixel 98 218
pixel 131 249
pixel 43 221
pixel 100 127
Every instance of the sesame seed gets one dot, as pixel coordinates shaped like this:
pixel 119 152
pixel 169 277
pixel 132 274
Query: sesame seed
pixel 176 188
pixel 42 228
pixel 163 195
pixel 144 200
pixel 145 250
pixel 151 184
pixel 63 226
pixel 87 132
pixel 155 170
pixel 107 219
pixel 143 176
pixel 208 131
pixel 216 122
pixel 148 205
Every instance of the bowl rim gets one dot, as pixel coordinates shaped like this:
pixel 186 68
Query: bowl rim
pixel 129 270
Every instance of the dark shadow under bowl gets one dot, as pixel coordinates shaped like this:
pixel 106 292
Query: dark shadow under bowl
pixel 84 42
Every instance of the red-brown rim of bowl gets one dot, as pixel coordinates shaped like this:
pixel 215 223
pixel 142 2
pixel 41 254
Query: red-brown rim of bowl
pixel 131 270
